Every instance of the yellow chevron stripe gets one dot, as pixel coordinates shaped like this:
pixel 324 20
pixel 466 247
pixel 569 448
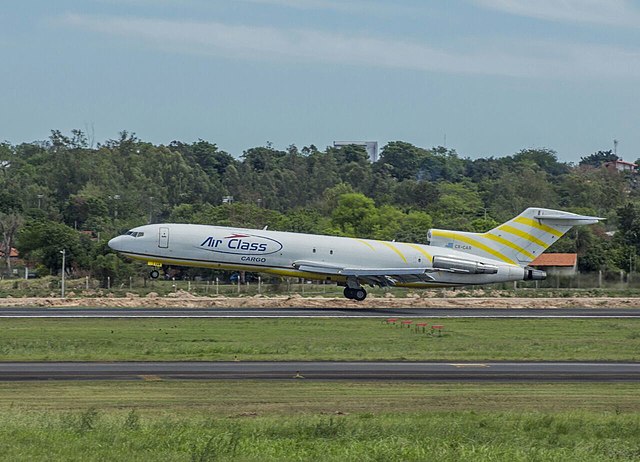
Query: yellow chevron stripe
pixel 540 226
pixel 473 242
pixel 395 249
pixel 515 247
pixel 421 250
pixel 523 235
pixel 365 243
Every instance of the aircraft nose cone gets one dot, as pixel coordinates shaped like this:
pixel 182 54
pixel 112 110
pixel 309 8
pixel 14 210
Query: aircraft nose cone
pixel 115 243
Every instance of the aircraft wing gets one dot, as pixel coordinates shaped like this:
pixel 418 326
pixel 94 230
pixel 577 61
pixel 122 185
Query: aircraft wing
pixel 374 276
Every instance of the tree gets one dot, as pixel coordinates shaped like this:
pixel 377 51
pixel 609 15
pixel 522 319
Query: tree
pixel 110 266
pixel 42 241
pixel 414 227
pixel 441 164
pixel 545 159
pixel 629 224
pixel 598 158
pixel 10 223
pixel 457 205
pixel 403 158
pixel 355 214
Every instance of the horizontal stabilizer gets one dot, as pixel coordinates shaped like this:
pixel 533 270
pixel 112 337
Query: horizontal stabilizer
pixel 569 219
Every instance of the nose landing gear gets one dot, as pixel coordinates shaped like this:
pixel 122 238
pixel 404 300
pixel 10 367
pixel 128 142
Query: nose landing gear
pixel 155 274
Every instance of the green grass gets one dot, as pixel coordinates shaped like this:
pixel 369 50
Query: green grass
pixel 92 435
pixel 317 339
pixel 221 398
pixel 273 421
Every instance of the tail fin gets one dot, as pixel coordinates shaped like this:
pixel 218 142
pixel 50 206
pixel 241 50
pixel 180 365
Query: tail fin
pixel 518 241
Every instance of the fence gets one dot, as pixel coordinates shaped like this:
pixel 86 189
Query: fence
pixel 612 282
pixel 615 280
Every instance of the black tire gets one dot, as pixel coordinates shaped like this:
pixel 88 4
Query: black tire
pixel 348 293
pixel 359 294
pixel 154 274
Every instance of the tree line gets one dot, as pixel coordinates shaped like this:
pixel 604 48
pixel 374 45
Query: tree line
pixel 64 192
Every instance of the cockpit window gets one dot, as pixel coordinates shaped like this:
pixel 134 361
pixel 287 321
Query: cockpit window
pixel 134 233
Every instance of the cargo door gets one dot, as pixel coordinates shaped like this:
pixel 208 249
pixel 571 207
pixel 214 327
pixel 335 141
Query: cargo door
pixel 163 238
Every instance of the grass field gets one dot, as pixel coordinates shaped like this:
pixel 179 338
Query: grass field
pixel 317 339
pixel 338 421
pixel 305 420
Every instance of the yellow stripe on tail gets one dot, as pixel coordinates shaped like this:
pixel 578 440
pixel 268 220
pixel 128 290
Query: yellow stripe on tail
pixel 520 240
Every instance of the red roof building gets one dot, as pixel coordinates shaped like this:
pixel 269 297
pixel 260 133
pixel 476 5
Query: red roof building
pixel 14 253
pixel 564 264
pixel 621 166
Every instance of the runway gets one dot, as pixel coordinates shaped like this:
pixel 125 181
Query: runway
pixel 325 370
pixel 81 312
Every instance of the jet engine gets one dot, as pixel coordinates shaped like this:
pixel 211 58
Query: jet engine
pixel 531 274
pixel 457 265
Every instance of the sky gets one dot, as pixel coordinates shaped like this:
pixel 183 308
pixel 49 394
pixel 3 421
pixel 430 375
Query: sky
pixel 483 77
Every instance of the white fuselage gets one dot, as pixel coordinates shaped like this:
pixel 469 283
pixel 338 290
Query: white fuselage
pixel 276 252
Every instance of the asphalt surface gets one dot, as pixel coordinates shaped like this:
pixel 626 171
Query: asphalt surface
pixel 318 313
pixel 325 370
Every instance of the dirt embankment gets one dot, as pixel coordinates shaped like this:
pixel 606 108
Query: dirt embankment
pixel 187 300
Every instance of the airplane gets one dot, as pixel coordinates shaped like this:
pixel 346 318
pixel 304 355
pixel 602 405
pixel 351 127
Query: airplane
pixel 452 258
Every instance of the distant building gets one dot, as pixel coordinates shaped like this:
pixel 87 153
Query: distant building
pixel 13 255
pixel 621 166
pixel 370 146
pixel 561 264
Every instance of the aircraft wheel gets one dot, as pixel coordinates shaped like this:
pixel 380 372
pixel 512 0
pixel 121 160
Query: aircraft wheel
pixel 359 294
pixel 154 274
pixel 348 293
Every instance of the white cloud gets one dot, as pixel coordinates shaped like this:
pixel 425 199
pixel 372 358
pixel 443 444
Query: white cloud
pixel 505 58
pixel 609 12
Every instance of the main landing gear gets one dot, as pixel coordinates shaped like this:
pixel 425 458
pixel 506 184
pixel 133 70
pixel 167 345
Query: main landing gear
pixel 358 294
pixel 354 291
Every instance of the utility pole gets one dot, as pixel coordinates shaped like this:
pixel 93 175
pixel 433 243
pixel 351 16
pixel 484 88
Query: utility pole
pixel 150 209
pixel 64 255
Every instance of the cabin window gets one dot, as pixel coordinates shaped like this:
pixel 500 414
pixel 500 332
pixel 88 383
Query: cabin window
pixel 330 252
pixel 314 250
